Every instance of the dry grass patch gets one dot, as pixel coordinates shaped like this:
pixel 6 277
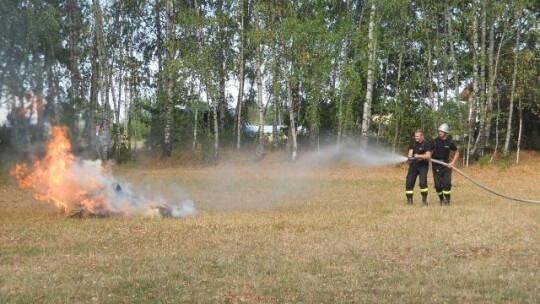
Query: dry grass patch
pixel 282 233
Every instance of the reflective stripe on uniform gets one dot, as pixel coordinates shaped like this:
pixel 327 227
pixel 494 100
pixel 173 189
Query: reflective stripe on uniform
pixel 409 192
pixel 424 190
pixel 446 192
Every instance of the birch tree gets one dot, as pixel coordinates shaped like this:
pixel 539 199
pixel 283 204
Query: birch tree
pixel 372 49
pixel 168 108
pixel 74 16
pixel 241 70
pixel 99 61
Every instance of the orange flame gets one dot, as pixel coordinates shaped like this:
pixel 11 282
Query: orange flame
pixel 53 180
pixel 82 187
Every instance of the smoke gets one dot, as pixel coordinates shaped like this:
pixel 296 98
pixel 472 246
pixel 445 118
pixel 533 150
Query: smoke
pixel 88 188
pixel 101 194
pixel 82 187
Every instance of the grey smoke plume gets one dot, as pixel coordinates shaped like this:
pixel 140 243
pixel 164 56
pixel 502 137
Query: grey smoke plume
pixel 83 188
pixel 115 198
pixel 86 188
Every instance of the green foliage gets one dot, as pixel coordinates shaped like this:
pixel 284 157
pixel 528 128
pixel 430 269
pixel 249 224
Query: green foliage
pixel 204 149
pixel 453 114
pixel 125 154
pixel 323 46
pixel 483 161
pixel 504 161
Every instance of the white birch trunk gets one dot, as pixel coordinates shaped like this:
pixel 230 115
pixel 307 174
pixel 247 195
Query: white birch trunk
pixel 520 130
pixel 292 141
pixel 240 100
pixel 474 91
pixel 512 96
pixel 483 114
pixel 260 103
pixel 372 46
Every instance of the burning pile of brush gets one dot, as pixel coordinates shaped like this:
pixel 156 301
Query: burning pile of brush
pixel 83 188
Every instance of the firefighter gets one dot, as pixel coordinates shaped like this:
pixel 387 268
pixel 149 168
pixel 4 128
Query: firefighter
pixel 443 147
pixel 419 154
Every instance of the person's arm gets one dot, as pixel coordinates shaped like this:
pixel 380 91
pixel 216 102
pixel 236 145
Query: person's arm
pixel 429 148
pixel 456 156
pixel 425 156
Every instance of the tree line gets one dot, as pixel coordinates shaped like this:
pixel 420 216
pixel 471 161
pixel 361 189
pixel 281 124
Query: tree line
pixel 188 75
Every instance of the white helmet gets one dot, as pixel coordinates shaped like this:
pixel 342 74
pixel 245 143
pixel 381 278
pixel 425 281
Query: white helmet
pixel 444 128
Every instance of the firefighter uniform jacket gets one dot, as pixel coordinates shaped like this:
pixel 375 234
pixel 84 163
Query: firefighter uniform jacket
pixel 421 148
pixel 442 148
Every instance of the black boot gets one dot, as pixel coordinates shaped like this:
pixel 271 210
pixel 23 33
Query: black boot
pixel 424 200
pixel 409 199
pixel 447 199
pixel 441 199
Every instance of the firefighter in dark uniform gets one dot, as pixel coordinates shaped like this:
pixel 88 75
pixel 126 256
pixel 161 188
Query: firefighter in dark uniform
pixel 418 155
pixel 443 146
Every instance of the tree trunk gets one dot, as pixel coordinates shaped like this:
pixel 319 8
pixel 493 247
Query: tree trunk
pixel 473 97
pixel 520 129
pixel 221 67
pixel 51 114
pixel 241 70
pixel 292 118
pixel 398 111
pixel 118 108
pixel 372 46
pixel 98 63
pixel 260 103
pixel 275 99
pixel 292 144
pixel 168 114
pixel 429 74
pixel 381 122
pixel 90 127
pixel 455 67
pixel 506 149
pixel 342 62
pixel 196 121
pixel 195 129
pixel 75 96
pixel 158 114
pixel 21 132
pixel 215 105
pixel 493 156
pixel 491 75
pixel 484 115
pixel 128 97
pixel 37 95
pixel 445 56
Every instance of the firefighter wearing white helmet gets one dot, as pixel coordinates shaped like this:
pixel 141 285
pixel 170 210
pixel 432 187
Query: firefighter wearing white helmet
pixel 444 128
pixel 443 148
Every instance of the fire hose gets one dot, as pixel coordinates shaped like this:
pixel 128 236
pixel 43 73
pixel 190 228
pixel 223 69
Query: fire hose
pixel 484 187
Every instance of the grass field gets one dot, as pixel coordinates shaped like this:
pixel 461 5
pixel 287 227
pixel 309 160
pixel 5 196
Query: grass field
pixel 276 232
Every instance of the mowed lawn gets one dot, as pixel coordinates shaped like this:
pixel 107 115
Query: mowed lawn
pixel 278 232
